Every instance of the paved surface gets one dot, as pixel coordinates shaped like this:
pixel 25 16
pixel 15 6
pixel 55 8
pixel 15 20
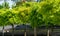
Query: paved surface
pixel 20 34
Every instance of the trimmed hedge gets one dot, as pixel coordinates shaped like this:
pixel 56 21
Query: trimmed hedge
pixel 45 12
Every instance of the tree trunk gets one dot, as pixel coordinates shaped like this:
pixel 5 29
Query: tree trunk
pixel 48 32
pixel 35 31
pixel 25 31
pixel 3 31
pixel 12 30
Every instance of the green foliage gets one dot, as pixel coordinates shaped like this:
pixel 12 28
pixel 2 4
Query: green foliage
pixel 43 13
pixel 1 6
pixel 35 17
pixel 4 20
pixel 49 11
